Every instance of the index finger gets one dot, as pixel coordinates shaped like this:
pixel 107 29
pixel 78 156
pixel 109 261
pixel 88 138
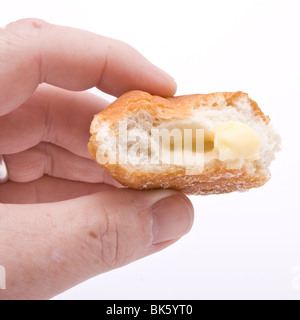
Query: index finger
pixel 33 51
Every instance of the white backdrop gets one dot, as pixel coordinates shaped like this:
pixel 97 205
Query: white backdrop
pixel 241 245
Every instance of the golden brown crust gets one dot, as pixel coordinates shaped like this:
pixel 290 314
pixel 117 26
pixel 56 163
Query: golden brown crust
pixel 213 180
pixel 178 107
pixel 217 181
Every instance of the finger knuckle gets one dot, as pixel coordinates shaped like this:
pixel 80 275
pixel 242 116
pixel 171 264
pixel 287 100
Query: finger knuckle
pixel 117 232
pixel 27 26
pixel 110 246
pixel 20 35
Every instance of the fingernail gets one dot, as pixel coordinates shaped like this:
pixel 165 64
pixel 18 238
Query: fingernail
pixel 172 218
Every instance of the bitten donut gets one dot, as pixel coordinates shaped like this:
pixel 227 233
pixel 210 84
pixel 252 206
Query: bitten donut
pixel 199 144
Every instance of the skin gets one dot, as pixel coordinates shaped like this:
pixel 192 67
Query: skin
pixel 63 219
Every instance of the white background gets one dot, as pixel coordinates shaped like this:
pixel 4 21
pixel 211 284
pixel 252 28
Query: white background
pixel 241 245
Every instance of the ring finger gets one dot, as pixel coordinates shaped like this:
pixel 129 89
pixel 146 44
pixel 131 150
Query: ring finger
pixel 49 159
pixel 47 189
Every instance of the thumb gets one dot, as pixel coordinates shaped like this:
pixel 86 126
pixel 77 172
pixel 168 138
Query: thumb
pixel 48 248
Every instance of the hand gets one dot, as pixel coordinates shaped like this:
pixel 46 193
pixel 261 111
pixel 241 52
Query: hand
pixel 63 219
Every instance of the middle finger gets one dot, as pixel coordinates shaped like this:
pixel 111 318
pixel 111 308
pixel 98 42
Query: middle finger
pixel 53 115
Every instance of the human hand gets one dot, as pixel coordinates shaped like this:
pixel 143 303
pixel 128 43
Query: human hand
pixel 63 219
